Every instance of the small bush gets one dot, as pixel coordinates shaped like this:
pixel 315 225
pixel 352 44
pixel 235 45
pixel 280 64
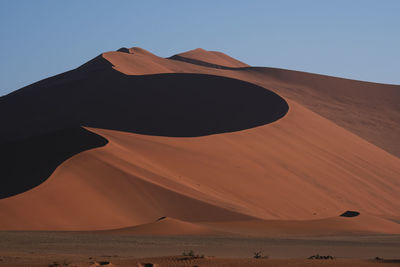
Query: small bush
pixel 192 254
pixel 320 257
pixel 259 255
pixel 189 253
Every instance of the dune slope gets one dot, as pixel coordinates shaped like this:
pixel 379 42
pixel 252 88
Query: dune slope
pixel 289 169
pixel 367 109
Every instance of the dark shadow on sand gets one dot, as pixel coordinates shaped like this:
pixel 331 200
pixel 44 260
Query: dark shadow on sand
pixel 29 162
pixel 40 123
pixel 175 105
pixel 350 214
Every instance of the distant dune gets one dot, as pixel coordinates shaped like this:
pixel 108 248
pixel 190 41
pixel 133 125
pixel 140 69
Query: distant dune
pixel 210 143
pixel 264 228
pixel 209 59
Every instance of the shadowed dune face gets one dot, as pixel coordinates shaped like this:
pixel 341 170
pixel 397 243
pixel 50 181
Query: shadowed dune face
pixel 177 105
pixel 29 162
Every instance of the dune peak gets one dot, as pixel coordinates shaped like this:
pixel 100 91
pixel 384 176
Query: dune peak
pixel 199 49
pixel 135 50
pixel 139 50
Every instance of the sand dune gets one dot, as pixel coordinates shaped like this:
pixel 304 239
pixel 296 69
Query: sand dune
pixel 166 227
pixel 364 224
pixel 241 159
pixel 369 110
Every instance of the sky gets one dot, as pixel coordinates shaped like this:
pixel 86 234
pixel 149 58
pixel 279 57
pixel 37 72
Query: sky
pixel 357 39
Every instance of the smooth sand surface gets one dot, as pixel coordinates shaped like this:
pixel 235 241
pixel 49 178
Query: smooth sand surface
pixel 166 226
pixel 291 175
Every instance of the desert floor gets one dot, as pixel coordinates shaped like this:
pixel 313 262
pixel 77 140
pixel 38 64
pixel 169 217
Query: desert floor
pixel 82 249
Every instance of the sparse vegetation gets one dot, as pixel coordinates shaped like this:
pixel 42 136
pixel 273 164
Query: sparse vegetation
pixel 259 255
pixel 320 257
pixel 56 264
pixel 189 253
pixel 192 254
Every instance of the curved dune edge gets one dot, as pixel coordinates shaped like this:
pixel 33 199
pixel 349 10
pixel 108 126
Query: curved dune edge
pixel 247 175
pixel 367 109
pixel 211 59
pixel 168 104
pixel 29 162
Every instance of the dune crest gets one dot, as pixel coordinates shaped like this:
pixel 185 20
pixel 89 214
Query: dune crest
pixel 206 58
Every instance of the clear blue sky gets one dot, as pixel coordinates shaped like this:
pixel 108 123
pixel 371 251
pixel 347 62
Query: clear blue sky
pixel 356 39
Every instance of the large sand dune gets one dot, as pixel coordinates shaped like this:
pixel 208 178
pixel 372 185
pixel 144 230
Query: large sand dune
pixel 369 110
pixel 233 157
